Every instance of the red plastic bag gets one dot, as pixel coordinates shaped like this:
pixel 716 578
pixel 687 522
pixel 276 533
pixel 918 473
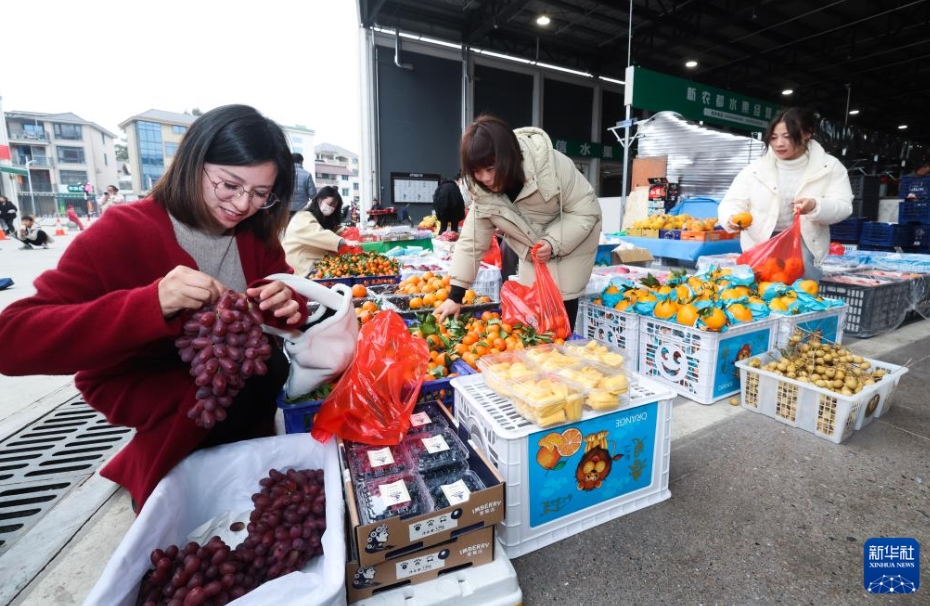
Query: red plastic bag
pixel 373 400
pixel 350 233
pixel 779 259
pixel 493 257
pixel 539 305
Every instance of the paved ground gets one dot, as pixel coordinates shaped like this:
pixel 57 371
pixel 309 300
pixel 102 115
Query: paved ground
pixel 760 513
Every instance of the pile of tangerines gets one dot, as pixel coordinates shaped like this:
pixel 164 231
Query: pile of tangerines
pixel 429 290
pixel 711 301
pixel 355 264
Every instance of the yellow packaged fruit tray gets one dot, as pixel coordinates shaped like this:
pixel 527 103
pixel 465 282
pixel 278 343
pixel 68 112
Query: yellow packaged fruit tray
pixel 592 350
pixel 607 388
pixel 547 357
pixel 547 399
pixel 500 369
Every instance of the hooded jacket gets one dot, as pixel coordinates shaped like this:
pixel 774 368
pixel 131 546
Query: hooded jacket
pixel 755 190
pixel 306 242
pixel 556 204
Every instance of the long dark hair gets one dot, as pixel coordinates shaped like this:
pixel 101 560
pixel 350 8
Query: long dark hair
pixel 798 121
pixel 231 135
pixel 331 222
pixel 487 142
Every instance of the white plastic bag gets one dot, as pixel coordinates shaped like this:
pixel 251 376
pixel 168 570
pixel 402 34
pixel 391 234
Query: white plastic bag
pixel 215 480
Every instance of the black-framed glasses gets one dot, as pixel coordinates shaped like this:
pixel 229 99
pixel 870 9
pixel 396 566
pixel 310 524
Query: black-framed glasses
pixel 227 190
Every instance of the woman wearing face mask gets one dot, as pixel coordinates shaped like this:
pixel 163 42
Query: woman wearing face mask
pixel 314 231
pixel 795 176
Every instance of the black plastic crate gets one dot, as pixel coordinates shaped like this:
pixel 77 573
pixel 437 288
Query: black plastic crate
pixel 872 309
pixel 888 235
pixel 866 195
pixel 914 212
pixel 916 188
pixel 847 230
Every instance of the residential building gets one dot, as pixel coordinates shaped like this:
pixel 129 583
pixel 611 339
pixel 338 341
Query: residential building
pixel 300 138
pixel 152 140
pixel 338 167
pixel 63 153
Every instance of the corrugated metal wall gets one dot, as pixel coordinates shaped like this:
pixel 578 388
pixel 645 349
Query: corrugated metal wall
pixel 702 160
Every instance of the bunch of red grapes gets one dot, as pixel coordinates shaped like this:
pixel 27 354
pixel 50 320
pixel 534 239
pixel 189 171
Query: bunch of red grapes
pixel 284 533
pixel 224 345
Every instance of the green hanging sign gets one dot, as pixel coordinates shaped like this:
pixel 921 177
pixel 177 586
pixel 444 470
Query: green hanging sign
pixel 646 89
pixel 588 149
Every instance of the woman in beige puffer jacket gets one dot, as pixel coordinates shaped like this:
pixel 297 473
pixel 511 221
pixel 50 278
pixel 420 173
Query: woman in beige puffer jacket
pixel 519 184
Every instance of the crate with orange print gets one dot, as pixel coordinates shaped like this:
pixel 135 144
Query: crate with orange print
pixel 699 364
pixel 566 479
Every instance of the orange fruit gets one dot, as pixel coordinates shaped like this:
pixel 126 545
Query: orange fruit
pixel 743 220
pixel 740 312
pixel 571 442
pixel 714 318
pixel 370 306
pixel 416 303
pixel 665 309
pixel 622 305
pixel 687 314
pixel 809 286
pixel 777 304
pixel 429 299
pixel 359 291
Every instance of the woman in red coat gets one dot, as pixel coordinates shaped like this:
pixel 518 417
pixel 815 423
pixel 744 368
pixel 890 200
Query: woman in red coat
pixel 112 309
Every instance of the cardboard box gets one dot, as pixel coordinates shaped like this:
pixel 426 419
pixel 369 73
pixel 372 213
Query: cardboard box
pixel 631 256
pixel 386 539
pixel 470 549
pixel 702 236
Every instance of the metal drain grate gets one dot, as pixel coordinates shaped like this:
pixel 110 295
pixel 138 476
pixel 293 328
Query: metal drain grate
pixel 41 463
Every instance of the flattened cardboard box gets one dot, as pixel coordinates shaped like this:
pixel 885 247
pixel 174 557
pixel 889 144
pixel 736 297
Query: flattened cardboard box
pixel 628 256
pixel 470 549
pixel 389 538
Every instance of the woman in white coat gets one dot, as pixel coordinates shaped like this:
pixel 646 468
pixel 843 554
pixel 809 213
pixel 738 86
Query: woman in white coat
pixel 315 231
pixel 794 176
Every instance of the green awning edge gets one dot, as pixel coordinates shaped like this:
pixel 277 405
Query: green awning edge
pixel 22 172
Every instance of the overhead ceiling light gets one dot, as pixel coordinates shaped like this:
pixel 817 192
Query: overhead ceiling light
pixel 788 91
pixel 543 20
pixel 902 127
pixel 691 63
pixel 854 112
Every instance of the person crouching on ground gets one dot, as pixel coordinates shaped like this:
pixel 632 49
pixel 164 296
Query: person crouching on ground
pixel 73 217
pixel 123 291
pixel 315 231
pixel 31 235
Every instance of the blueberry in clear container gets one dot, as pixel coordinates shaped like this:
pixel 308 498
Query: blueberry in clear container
pixel 454 488
pixel 427 417
pixel 401 495
pixel 436 452
pixel 368 462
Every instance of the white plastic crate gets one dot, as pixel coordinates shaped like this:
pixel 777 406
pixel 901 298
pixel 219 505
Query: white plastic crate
pixel 493 584
pixel 611 327
pixel 829 323
pixel 822 412
pixel 698 364
pixel 551 495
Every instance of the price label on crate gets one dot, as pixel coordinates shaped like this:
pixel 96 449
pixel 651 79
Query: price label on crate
pixel 435 444
pixel 380 457
pixel 431 526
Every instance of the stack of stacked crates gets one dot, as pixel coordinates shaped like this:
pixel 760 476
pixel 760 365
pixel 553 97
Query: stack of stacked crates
pixel 866 194
pixel 915 218
pixel 883 236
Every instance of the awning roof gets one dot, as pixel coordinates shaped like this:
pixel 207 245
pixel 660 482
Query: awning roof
pixel 13 170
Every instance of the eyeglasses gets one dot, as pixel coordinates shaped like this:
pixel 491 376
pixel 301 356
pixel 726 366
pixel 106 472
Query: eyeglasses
pixel 227 190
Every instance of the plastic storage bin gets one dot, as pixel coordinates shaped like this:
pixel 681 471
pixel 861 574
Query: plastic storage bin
pixel 917 188
pixel 883 235
pixel 914 212
pixel 699 364
pixel 611 327
pixel 555 487
pixel 871 310
pixel 847 230
pixel 298 417
pixel 830 323
pixel 822 412
pixel 440 389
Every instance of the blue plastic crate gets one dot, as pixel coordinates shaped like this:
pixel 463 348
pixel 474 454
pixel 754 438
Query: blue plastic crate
pixel 333 281
pixel 376 280
pixel 846 231
pixel 441 389
pixel 919 238
pixel 916 187
pixel 914 212
pixel 298 417
pixel 886 235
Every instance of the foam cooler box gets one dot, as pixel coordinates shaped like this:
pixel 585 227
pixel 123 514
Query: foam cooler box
pixel 565 479
pixel 611 327
pixel 698 364
pixel 829 323
pixel 822 412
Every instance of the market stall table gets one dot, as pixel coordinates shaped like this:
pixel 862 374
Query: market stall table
pixel 386 216
pixel 684 250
